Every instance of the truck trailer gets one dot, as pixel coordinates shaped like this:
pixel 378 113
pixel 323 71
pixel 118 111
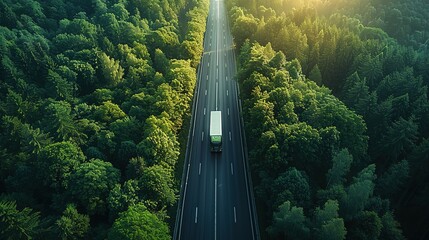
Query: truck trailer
pixel 215 131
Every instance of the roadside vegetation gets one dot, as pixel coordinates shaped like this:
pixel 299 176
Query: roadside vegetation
pixel 336 110
pixel 93 95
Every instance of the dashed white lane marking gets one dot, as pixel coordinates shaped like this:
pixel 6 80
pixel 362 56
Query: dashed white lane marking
pixel 235 215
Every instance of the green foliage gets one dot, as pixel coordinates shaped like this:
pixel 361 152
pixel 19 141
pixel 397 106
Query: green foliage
pixel 109 112
pixel 329 225
pixel 340 167
pixel 164 38
pixel 56 162
pixel 316 75
pixel 391 228
pixel 358 193
pixel 122 197
pixel 59 121
pixel 348 47
pixel 161 62
pixel 400 137
pixel 72 225
pixel 391 182
pixel 192 46
pixel 289 222
pixel 57 87
pixel 110 80
pixel 156 184
pixel 357 95
pixel 91 183
pixel 333 230
pixel 138 223
pixel 160 144
pixel 23 136
pixel 244 26
pixel 366 225
pixel 295 183
pixel 329 211
pixel 17 224
pixel 111 71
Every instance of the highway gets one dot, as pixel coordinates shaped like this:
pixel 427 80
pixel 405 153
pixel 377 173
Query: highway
pixel 216 201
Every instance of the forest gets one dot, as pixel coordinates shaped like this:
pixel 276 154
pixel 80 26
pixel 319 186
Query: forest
pixel 93 100
pixel 95 97
pixel 336 115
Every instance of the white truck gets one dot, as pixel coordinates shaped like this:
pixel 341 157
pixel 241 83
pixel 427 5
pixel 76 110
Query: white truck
pixel 215 131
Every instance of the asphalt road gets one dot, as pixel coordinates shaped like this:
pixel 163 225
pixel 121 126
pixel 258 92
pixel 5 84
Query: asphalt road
pixel 215 201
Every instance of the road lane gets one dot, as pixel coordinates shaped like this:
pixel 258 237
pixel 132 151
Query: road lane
pixel 215 202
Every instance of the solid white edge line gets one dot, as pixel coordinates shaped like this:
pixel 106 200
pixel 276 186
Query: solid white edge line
pixel 183 202
pixel 245 171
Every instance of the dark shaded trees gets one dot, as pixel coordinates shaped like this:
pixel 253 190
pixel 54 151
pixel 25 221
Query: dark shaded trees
pixel 289 222
pixel 72 224
pixel 17 224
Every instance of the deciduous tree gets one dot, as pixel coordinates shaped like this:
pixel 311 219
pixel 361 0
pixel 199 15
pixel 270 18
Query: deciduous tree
pixel 138 223
pixel 56 162
pixel 91 183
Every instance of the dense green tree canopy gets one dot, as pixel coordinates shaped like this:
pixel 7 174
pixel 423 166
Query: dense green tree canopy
pixel 72 225
pixel 91 183
pixel 57 161
pixel 93 95
pixel 138 223
pixel 289 222
pixel 367 54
